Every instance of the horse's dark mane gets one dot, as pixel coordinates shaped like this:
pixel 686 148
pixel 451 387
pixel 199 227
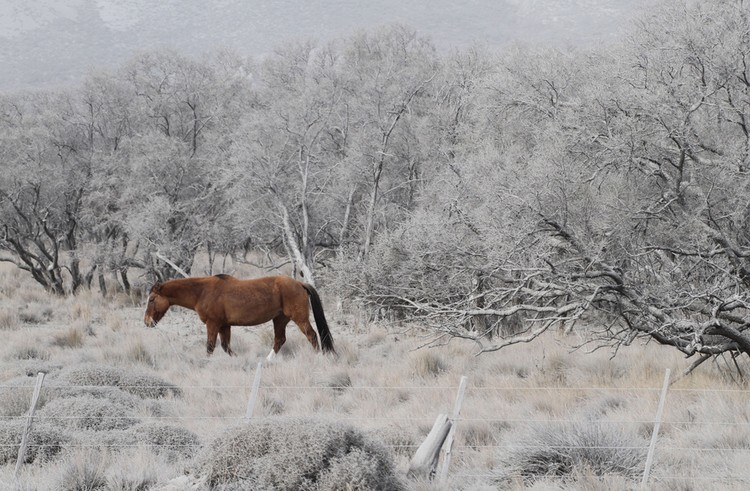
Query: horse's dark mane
pixel 223 276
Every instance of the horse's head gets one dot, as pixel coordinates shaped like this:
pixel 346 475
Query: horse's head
pixel 156 307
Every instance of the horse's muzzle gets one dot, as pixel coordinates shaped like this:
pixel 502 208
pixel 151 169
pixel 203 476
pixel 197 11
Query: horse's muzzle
pixel 149 321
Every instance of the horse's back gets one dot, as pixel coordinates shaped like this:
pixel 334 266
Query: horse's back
pixel 251 302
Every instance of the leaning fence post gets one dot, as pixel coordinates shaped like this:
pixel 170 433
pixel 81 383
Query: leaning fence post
pixel 425 460
pixel 254 392
pixel 452 432
pixel 29 421
pixel 655 433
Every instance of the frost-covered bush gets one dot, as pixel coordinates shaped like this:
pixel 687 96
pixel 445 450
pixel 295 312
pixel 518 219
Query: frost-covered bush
pixel 403 439
pixel 15 396
pixel 141 384
pixel 45 441
pixel 285 453
pixel 172 440
pixel 88 413
pixel 111 439
pixel 113 394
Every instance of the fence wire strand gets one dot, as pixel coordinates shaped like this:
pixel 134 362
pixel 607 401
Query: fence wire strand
pixel 479 391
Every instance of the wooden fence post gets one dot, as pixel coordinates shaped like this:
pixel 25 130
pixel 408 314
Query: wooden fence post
pixel 254 392
pixel 452 432
pixel 425 460
pixel 655 433
pixel 29 421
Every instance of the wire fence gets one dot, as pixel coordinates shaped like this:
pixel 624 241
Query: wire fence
pixel 733 442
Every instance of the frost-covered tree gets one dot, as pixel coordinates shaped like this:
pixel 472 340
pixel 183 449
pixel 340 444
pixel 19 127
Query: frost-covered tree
pixel 609 185
pixel 46 176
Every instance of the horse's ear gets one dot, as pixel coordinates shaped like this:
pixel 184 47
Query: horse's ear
pixel 156 288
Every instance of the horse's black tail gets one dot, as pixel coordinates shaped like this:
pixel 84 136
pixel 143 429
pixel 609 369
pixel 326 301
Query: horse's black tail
pixel 326 341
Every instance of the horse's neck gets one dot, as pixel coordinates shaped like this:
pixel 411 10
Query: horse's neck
pixel 183 292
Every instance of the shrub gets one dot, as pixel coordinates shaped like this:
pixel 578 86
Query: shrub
pixel 113 394
pixel 356 470
pixel 15 397
pixel 148 386
pixel 140 384
pixel 403 439
pixel 92 374
pixel 45 441
pixel 88 413
pixel 111 439
pixel 287 453
pixel 585 447
pixel 174 441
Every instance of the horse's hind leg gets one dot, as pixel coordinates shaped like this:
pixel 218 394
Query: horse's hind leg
pixel 307 329
pixel 279 334
pixel 225 336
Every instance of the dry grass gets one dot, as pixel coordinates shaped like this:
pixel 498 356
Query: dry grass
pixel 72 337
pixel 9 320
pixel 544 392
pixel 428 363
pixel 35 313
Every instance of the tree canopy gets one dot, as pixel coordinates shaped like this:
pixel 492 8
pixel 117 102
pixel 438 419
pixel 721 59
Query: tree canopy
pixel 491 196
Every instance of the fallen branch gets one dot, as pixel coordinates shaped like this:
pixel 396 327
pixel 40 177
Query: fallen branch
pixel 161 257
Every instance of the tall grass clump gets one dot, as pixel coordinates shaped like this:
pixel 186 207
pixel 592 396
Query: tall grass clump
pixel 428 363
pixel 138 352
pixel 84 471
pixel 568 449
pixel 28 351
pixel 284 453
pixel 9 320
pixel 138 470
pixel 73 337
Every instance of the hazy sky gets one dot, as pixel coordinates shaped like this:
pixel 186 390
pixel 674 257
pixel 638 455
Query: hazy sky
pixel 45 43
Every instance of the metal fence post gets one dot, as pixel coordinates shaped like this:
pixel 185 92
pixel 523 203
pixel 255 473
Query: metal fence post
pixel 29 422
pixel 254 392
pixel 655 433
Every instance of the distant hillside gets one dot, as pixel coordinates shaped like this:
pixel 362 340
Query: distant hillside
pixel 51 42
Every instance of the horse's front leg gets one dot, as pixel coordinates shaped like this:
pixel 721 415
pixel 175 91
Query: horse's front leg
pixel 212 331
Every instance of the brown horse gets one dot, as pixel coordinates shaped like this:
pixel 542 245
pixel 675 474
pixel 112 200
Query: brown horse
pixel 223 301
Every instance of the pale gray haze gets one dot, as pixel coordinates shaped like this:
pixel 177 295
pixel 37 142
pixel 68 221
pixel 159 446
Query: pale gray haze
pixel 47 43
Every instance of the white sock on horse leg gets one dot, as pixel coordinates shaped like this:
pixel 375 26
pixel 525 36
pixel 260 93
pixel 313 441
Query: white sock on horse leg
pixel 270 355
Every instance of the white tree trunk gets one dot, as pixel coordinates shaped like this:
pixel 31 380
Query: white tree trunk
pixel 291 241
